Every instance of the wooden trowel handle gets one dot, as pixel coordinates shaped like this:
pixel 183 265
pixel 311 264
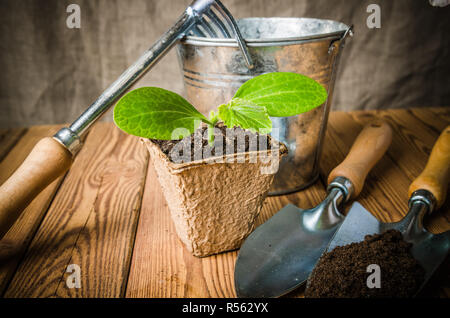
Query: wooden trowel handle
pixel 436 175
pixel 367 150
pixel 47 161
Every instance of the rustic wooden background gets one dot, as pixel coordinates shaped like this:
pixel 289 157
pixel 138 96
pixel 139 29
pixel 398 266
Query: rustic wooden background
pixel 50 73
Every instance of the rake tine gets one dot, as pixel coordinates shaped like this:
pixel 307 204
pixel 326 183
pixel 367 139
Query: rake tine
pixel 228 17
pixel 208 28
pixel 221 26
pixel 197 32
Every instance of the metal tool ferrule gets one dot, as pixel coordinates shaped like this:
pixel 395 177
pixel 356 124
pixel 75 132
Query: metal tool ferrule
pixel 344 184
pixel 424 196
pixel 69 139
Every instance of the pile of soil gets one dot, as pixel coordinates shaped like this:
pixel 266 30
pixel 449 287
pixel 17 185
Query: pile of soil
pixel 342 273
pixel 225 137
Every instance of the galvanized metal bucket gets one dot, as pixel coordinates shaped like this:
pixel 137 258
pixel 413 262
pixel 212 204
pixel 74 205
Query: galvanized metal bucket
pixel 214 69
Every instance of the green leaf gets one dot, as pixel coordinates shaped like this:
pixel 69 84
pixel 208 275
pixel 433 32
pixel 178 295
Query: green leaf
pixel 153 112
pixel 283 94
pixel 244 114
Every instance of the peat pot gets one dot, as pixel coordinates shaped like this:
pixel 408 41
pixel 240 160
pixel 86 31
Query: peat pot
pixel 214 202
pixel 213 69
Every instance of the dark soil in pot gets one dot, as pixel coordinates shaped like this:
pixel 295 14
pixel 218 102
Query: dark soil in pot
pixel 236 139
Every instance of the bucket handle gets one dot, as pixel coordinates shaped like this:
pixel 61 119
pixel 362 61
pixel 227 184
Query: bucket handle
pixel 348 32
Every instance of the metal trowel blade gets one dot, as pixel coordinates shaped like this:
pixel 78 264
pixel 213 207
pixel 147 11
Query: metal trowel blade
pixel 358 223
pixel 280 254
pixel 429 249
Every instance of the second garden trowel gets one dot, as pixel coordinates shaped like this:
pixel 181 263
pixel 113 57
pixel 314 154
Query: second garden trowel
pixel 427 192
pixel 280 254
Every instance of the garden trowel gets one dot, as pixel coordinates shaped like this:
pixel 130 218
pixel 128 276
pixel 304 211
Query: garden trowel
pixel 427 193
pixel 280 254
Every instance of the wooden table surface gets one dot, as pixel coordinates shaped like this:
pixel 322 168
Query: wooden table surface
pixel 108 215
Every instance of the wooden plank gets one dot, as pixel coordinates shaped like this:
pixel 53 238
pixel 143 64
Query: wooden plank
pixel 415 134
pixel 17 240
pixel 380 193
pixel 8 139
pixel 162 267
pixel 439 112
pixel 435 119
pixel 91 222
pixel 425 125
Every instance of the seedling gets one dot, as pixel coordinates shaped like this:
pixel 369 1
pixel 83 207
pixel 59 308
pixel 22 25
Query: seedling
pixel 156 113
pixel 203 225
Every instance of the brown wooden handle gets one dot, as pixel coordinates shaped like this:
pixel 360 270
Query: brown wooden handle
pixel 436 175
pixel 367 150
pixel 47 161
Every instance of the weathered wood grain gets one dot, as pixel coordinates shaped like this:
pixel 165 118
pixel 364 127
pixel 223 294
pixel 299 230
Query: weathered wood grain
pixel 436 119
pixel 91 222
pixel 162 271
pixel 426 125
pixel 379 194
pixel 94 219
pixel 8 139
pixel 416 131
pixel 16 241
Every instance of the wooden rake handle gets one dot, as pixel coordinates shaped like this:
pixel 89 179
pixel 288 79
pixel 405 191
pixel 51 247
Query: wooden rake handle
pixel 436 175
pixel 47 161
pixel 368 148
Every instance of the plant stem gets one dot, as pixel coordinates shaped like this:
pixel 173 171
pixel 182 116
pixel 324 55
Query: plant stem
pixel 211 135
pixel 213 119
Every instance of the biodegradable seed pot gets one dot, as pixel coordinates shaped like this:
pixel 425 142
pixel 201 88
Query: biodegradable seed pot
pixel 218 170
pixel 214 202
